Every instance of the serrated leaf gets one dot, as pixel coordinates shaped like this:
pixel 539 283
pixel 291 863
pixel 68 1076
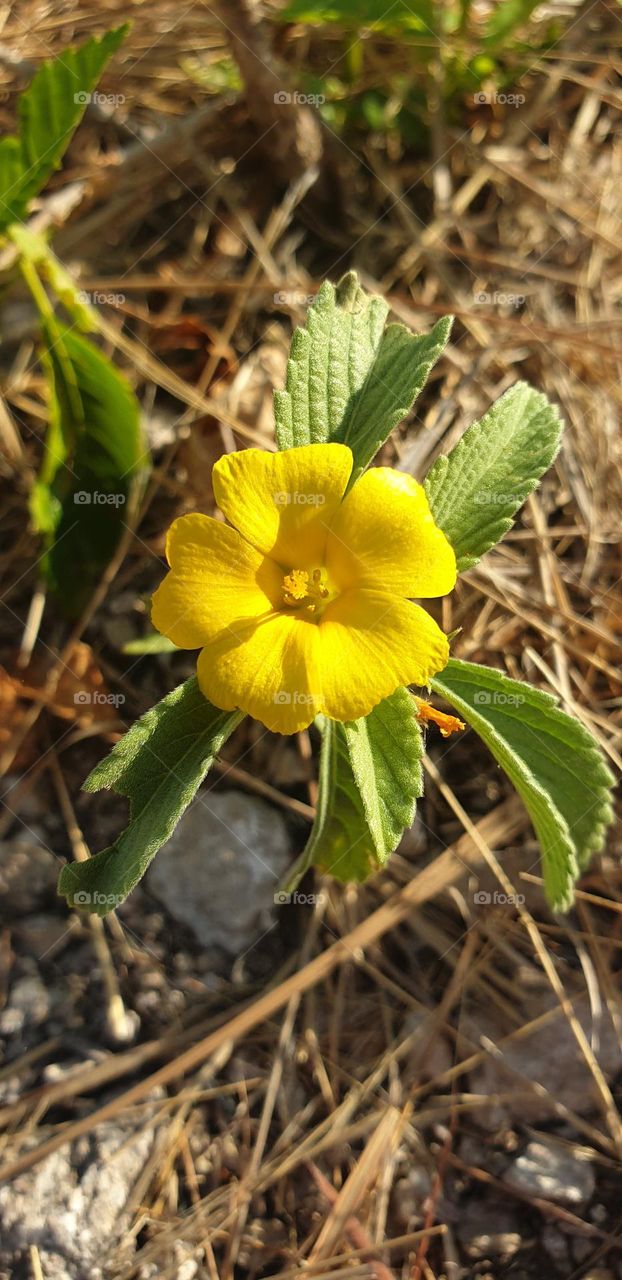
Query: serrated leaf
pixel 93 455
pixel 159 765
pixel 370 779
pixel 552 760
pixel 385 751
pixel 49 112
pixel 349 379
pixel 475 491
pixel 340 841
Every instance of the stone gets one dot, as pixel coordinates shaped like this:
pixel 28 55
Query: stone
pixel 551 1172
pixel 28 875
pixel 27 1007
pixel 488 1228
pixel 71 1205
pixel 549 1056
pixel 219 872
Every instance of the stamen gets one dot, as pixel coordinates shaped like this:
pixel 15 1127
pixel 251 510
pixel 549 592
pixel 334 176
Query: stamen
pixel 304 590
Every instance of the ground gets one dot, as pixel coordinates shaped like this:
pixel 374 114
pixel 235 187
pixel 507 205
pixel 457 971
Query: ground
pixel 389 1080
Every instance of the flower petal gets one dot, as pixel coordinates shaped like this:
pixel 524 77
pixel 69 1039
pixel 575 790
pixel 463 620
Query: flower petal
pixel 384 537
pixel 283 502
pixel 217 580
pixel 370 644
pixel 267 670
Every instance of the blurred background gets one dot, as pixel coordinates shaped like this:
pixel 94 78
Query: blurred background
pixel 440 1098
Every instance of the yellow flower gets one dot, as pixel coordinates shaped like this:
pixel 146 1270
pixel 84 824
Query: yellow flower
pixel 304 605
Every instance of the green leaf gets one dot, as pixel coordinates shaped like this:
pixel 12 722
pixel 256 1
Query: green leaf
pixel 350 379
pixel 159 765
pixel 385 750
pixel 151 643
pixel 416 15
pixel 49 112
pixel 505 18
pixel 93 456
pixel 552 760
pixel 476 490
pixel 370 779
pixel 33 247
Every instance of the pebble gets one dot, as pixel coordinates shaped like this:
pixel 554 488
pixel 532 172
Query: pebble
pixel 552 1173
pixel 219 872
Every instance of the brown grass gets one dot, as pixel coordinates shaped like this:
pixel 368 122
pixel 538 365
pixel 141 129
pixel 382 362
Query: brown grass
pixel 318 1083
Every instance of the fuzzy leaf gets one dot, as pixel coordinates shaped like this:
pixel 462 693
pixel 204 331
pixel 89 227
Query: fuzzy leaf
pixel 350 379
pixel 552 760
pixel 49 112
pixel 370 779
pixel 93 455
pixel 475 491
pixel 159 765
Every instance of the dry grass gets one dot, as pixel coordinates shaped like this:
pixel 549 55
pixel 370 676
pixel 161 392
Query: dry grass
pixel 294 1105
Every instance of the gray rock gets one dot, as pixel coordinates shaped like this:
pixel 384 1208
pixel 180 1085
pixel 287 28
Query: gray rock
pixel 489 1228
pixel 28 874
pixel 219 871
pixel 553 1173
pixel 549 1056
pixel 557 1245
pixel 74 1218
pixel 28 1006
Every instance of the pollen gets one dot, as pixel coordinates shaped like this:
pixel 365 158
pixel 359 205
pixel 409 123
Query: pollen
pixel 302 589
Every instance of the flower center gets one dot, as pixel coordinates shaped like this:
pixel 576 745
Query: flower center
pixel 305 590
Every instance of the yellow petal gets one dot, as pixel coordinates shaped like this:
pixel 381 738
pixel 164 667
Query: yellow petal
pixel 284 502
pixel 267 669
pixel 217 581
pixel 384 537
pixel 370 644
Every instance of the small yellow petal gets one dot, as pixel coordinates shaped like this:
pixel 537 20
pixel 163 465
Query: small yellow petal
pixel 284 502
pixel 384 537
pixel 371 643
pixel 268 669
pixel 217 580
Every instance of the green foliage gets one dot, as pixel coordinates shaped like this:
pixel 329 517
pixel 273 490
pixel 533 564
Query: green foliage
pixel 552 760
pixel 151 643
pixel 385 750
pixel 476 490
pixel 370 779
pixel 158 765
pixel 49 112
pixel 449 51
pixel 417 15
pixel 93 456
pixel 350 379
